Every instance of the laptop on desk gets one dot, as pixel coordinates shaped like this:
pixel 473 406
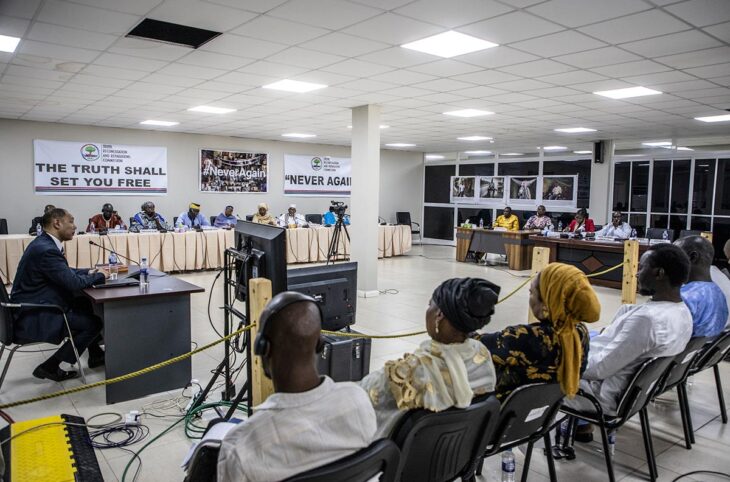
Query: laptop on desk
pixel 130 278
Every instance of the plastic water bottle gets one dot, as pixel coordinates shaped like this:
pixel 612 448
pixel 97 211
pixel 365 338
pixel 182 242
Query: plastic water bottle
pixel 38 229
pixel 92 228
pixel 545 231
pixel 143 274
pixel 481 223
pixel 665 235
pixel 113 258
pixel 508 466
pixel 633 234
pixel 560 226
pixel 564 433
pixel 612 442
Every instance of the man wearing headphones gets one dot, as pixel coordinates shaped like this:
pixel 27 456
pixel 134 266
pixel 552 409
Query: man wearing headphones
pixel 310 420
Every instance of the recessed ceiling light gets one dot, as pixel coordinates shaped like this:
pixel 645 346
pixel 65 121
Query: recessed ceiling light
pixel 627 93
pixel 513 154
pixel 400 144
pixel 433 157
pixel 159 123
pixel 208 109
pixel 468 113
pixel 574 130
pixel 294 86
pixel 474 138
pixel 714 118
pixel 8 44
pixel 449 44
pixel 656 144
pixel 582 152
pixel 477 153
pixel 684 149
pixel 298 135
pixel 554 148
pixel 382 126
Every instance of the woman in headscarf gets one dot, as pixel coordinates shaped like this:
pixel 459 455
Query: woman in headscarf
pixel 263 216
pixel 555 348
pixel 449 369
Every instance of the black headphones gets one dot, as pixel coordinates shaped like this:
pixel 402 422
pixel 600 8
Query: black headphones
pixel 278 303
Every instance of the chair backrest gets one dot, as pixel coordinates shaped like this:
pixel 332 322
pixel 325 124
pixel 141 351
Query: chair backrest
pixel 644 385
pixel 657 233
pixel 174 220
pixel 380 457
pixel 249 217
pixel 444 445
pixel 204 464
pixel 3 226
pixel 713 352
pixel 599 227
pixel 526 414
pixel 679 368
pixel 212 220
pixel 6 318
pixel 313 218
pixel 485 215
pixel 689 232
pixel 403 217
pixel 131 220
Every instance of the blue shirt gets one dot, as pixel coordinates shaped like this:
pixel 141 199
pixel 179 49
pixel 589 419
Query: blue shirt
pixel 330 218
pixel 223 221
pixel 199 220
pixel 708 306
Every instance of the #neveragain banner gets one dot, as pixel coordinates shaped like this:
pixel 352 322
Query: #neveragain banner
pixel 90 168
pixel 233 171
pixel 317 175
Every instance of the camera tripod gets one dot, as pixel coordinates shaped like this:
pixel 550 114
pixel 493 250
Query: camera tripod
pixel 336 236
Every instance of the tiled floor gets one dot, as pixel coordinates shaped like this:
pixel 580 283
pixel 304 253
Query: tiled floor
pixel 414 276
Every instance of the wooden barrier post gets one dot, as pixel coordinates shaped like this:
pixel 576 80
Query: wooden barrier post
pixel 707 235
pixel 540 259
pixel 259 292
pixel 631 266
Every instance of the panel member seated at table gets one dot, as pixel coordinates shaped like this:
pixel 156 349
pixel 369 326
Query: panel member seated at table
pixel 147 218
pixel 309 420
pixel 226 219
pixel 44 277
pixel 107 219
pixel 38 220
pixel 581 223
pixel 192 218
pixel 507 220
pixel 262 216
pixel 616 229
pixel 540 220
pixel 331 218
pixel 292 219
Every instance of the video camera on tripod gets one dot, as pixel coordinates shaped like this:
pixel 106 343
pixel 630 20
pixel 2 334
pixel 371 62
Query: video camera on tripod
pixel 338 208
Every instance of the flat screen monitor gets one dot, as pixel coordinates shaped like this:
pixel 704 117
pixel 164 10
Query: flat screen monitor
pixel 266 246
pixel 333 286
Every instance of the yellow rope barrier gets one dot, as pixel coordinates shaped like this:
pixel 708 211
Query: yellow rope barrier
pixel 374 337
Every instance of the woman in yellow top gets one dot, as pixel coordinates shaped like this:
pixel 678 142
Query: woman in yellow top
pixel 507 220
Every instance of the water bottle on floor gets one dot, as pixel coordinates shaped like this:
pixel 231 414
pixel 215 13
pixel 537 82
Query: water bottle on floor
pixel 508 466
pixel 612 442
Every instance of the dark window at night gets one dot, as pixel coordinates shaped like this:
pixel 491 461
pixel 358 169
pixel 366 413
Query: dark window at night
pixel 518 168
pixel 722 189
pixel 621 186
pixel 680 186
pixel 476 169
pixel 639 186
pixel 660 186
pixel 437 186
pixel 704 181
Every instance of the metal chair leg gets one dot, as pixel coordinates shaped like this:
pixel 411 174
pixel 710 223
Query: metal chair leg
pixel 528 457
pixel 683 408
pixel 76 352
pixel 720 396
pixel 480 466
pixel 550 461
pixel 648 446
pixel 606 453
pixel 7 362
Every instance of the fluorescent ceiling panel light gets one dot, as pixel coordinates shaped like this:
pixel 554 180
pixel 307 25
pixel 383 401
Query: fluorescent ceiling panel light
pixel 468 113
pixel 434 157
pixel 684 149
pixel 449 44
pixel 627 93
pixel 209 109
pixel 8 44
pixel 400 144
pixel 714 118
pixel 477 153
pixel 582 152
pixel 294 86
pixel 657 144
pixel 513 154
pixel 298 135
pixel 474 138
pixel 574 130
pixel 159 123
pixel 382 126
pixel 554 148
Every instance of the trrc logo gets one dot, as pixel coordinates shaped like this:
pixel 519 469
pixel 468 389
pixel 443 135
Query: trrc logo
pixel 90 152
pixel 316 163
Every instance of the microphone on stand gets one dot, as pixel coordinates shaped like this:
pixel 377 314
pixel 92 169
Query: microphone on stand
pixel 107 249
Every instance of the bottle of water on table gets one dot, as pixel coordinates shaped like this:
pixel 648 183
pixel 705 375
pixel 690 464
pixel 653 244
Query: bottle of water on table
pixel 508 466
pixel 633 234
pixel 113 268
pixel 481 223
pixel 38 229
pixel 560 226
pixel 665 235
pixel 144 275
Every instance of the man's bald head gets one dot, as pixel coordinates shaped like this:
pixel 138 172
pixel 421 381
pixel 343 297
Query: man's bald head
pixel 699 250
pixel 726 249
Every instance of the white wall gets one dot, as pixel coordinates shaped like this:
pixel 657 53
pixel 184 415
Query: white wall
pixel 401 174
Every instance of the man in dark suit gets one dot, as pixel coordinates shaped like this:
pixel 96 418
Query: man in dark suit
pixel 44 277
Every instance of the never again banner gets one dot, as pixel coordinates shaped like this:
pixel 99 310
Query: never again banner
pixel 90 168
pixel 317 175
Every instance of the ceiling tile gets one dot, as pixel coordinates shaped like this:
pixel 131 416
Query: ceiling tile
pixel 214 60
pixel 635 27
pixel 19 8
pixel 43 49
pixel 397 57
pixel 356 68
pixel 367 85
pixel 558 44
pixel 14 27
pixel 200 14
pixel 480 92
pixel 672 44
pixel 127 62
pixel 403 77
pixel 537 68
pixel 721 31
pixel 443 85
pixel 597 58
pixel 631 68
pixel 172 80
pixel 331 14
pixel 520 85
pixel 453 13
pixel 658 78
pixel 444 68
pixel 575 13
pixel 497 57
pixel 69 36
pixel 702 12
pixel 101 81
pixel 259 6
pixel 147 49
pixel 343 44
pixel 697 59
pixel 84 17
pixel 393 29
pixel 304 58
pixel 246 47
pixel 191 71
pixel 512 27
pixel 574 77
pixel 22 71
pixel 710 71
pixel 484 77
pixel 273 69
pixel 278 30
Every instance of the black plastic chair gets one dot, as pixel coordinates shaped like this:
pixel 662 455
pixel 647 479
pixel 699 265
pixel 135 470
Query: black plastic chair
pixel 658 233
pixel 404 218
pixel 443 446
pixel 249 217
pixel 313 218
pixel 174 220
pixel 131 221
pixel 685 233
pixel 203 465
pixel 644 385
pixel 212 220
pixel 677 377
pixel 710 357
pixel 3 226
pixel 526 416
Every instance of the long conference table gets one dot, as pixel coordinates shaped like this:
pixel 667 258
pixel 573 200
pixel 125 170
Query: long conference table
pixel 191 250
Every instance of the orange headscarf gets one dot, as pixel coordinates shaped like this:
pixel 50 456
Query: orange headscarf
pixel 570 299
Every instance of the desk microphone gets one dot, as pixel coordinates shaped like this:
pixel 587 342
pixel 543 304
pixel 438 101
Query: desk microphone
pixel 239 217
pixel 111 250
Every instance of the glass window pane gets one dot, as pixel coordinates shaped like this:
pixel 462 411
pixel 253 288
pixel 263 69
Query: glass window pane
pixel 720 235
pixel 677 223
pixel 703 184
pixel 518 168
pixel 639 185
pixel 621 174
pixel 700 223
pixel 568 168
pixel 660 186
pixel 680 186
pixel 659 221
pixel 476 169
pixel 437 189
pixel 638 222
pixel 722 194
pixel 473 215
pixel 438 222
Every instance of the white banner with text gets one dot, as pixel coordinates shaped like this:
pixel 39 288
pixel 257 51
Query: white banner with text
pixel 317 175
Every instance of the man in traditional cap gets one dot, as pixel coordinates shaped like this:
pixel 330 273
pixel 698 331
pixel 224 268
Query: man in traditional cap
pixel 192 218
pixel 291 219
pixel 147 218
pixel 107 219
pixel 262 216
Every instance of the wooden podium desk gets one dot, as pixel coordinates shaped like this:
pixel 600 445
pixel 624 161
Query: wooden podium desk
pixel 517 245
pixel 143 329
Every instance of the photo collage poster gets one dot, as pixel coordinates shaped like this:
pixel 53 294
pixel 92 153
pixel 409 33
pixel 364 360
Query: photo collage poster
pixel 519 192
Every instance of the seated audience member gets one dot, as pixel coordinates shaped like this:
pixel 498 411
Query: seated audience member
pixel 331 218
pixel 291 219
pixel 722 280
pixel 309 420
pixel 660 327
pixel 703 297
pixel 38 220
pixel 540 220
pixel 449 369
pixel 44 277
pixel 616 229
pixel 262 216
pixel 581 223
pixel 726 250
pixel 147 218
pixel 192 218
pixel 226 219
pixel 107 219
pixel 507 220
pixel 555 347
